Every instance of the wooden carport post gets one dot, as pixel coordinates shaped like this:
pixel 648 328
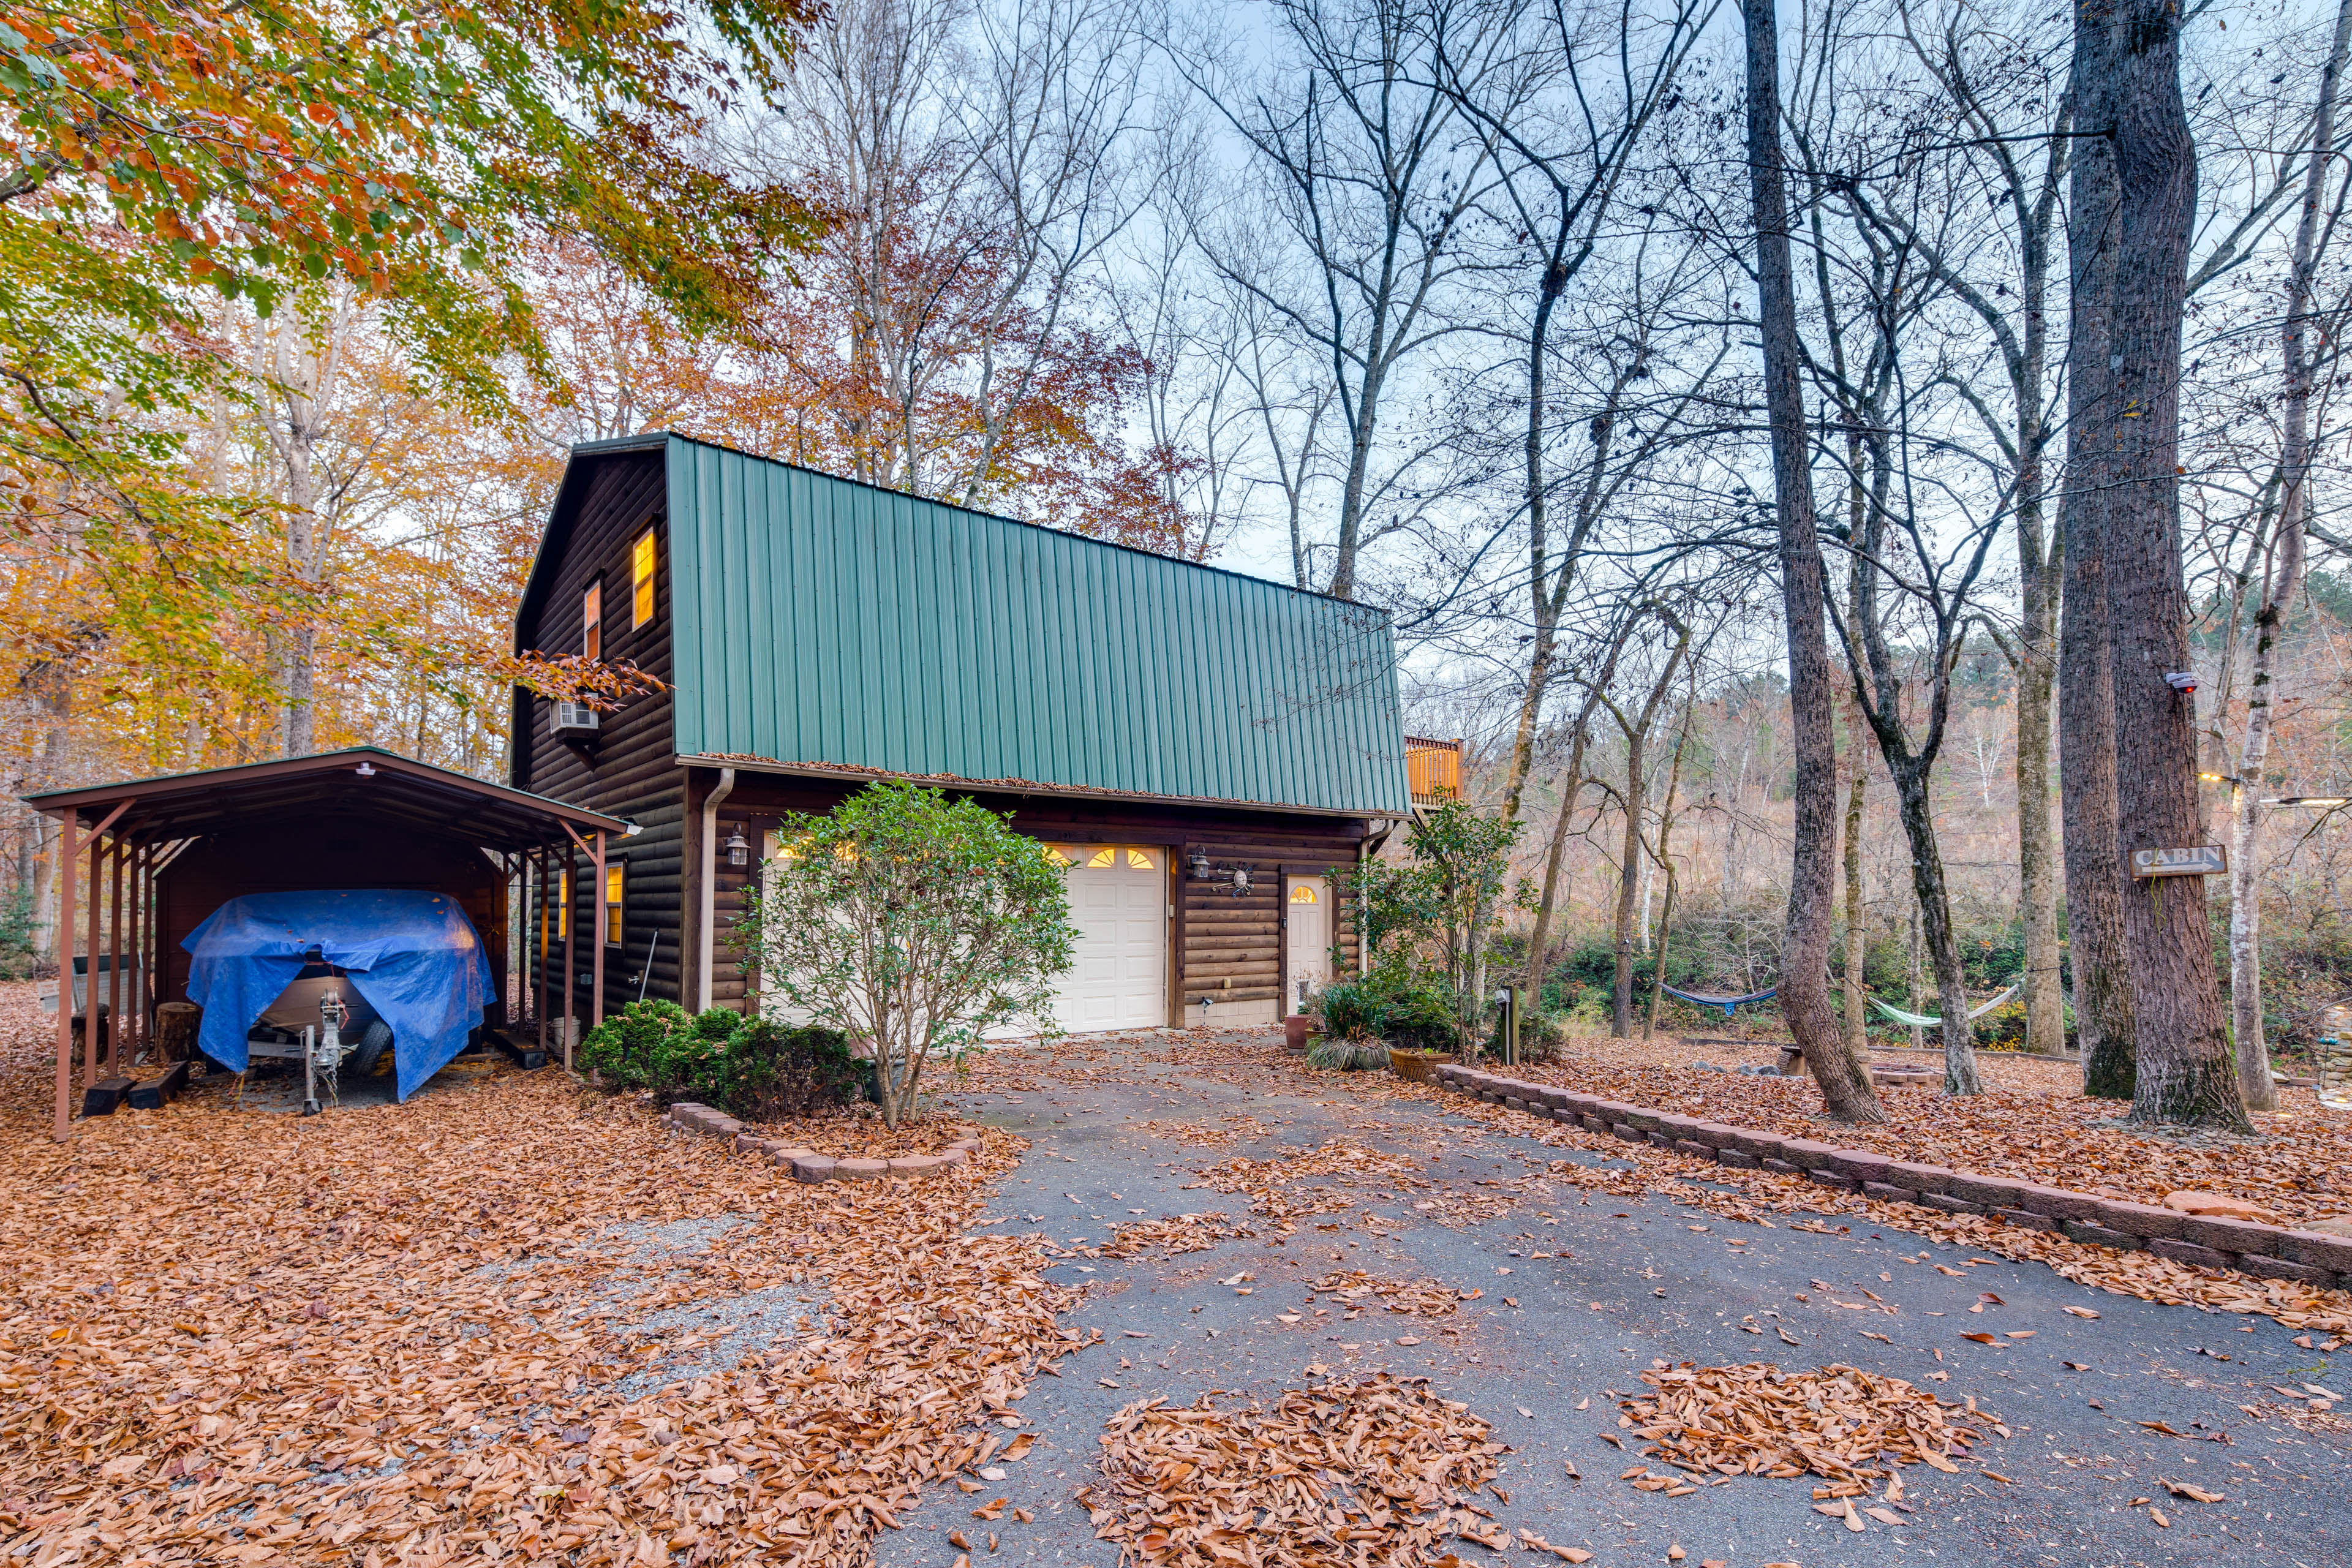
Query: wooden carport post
pixel 142 922
pixel 538 958
pixel 596 948
pixel 115 989
pixel 570 925
pixel 595 854
pixel 68 852
pixel 89 1027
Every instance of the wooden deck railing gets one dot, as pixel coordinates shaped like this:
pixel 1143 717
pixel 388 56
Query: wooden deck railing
pixel 1432 770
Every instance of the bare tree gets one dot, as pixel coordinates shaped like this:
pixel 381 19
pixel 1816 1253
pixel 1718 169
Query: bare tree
pixel 1577 102
pixel 2086 708
pixel 2021 129
pixel 1812 907
pixel 1063 80
pixel 1633 800
pixel 2304 341
pixel 2185 1070
pixel 1371 171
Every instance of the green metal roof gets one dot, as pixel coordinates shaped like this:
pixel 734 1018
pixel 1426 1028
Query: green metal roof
pixel 818 620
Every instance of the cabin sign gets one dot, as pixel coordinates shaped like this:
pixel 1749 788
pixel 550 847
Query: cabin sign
pixel 2201 861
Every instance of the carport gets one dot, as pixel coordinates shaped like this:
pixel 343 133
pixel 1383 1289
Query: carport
pixel 146 860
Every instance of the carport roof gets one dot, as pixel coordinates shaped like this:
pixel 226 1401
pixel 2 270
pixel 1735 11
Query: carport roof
pixel 357 778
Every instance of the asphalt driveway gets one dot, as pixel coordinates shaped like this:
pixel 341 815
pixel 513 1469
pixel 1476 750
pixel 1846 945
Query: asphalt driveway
pixel 1580 1291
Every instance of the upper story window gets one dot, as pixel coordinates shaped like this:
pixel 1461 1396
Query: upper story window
pixel 591 621
pixel 642 560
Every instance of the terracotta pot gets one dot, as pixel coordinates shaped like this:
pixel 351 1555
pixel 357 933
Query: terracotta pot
pixel 1295 1030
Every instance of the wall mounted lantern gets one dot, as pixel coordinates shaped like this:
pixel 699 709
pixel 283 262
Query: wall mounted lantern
pixel 738 852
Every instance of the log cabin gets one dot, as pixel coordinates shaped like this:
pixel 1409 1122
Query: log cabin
pixel 1204 748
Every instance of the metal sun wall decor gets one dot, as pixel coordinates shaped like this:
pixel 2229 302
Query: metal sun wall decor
pixel 1235 875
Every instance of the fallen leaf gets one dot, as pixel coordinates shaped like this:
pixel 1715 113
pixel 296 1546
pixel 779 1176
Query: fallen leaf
pixel 1982 1339
pixel 2187 1490
pixel 2082 1311
pixel 2157 1514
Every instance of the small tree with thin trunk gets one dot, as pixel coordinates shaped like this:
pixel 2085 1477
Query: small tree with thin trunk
pixel 911 923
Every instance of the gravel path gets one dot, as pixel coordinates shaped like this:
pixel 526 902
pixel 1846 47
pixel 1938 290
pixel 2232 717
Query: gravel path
pixel 1628 1281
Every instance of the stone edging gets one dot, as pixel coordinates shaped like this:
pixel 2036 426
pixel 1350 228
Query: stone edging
pixel 2263 1251
pixel 807 1164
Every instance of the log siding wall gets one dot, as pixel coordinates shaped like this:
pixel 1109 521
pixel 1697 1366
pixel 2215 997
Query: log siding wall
pixel 1231 951
pixel 629 770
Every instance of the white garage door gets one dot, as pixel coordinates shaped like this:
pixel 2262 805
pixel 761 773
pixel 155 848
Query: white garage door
pixel 1119 901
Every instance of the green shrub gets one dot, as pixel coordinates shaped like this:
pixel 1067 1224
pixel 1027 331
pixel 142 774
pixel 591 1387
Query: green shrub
pixel 754 1068
pixel 640 1045
pixel 1350 1011
pixel 772 1070
pixel 1419 1017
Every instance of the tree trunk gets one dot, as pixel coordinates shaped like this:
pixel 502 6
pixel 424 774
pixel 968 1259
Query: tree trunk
pixel 1665 857
pixel 2185 1071
pixel 1658 974
pixel 1620 1014
pixel 1857 916
pixel 1571 785
pixel 2086 717
pixel 1534 495
pixel 2037 880
pixel 1936 930
pixel 2037 660
pixel 1812 905
pixel 2270 624
pixel 1857 923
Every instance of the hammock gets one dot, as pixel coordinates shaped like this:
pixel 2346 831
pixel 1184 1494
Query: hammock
pixel 1921 1021
pixel 1726 1003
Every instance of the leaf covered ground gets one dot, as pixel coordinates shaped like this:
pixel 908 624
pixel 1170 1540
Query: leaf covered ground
pixel 516 1320
pixel 512 1320
pixel 2031 1122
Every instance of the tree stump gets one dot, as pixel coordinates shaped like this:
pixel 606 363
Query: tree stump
pixel 175 1031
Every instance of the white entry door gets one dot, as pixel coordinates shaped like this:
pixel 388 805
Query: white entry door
pixel 1307 904
pixel 1119 901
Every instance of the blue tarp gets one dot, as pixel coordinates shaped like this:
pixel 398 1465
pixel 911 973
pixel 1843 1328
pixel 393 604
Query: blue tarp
pixel 415 956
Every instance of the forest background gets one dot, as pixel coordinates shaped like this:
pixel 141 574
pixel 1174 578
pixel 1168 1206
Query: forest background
pixel 1447 308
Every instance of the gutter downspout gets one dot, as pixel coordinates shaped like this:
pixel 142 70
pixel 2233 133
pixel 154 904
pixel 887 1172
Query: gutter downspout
pixel 710 910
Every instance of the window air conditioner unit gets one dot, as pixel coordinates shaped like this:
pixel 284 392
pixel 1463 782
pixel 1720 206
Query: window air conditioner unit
pixel 573 719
